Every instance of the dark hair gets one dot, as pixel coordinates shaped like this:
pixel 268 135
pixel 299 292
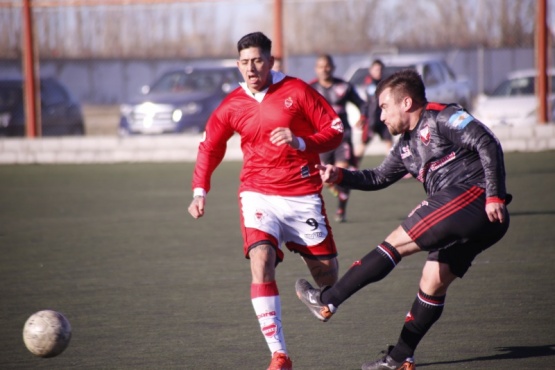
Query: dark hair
pixel 328 59
pixel 378 62
pixel 255 40
pixel 402 83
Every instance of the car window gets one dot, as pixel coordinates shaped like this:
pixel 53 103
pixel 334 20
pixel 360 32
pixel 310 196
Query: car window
pixel 432 74
pixel 515 87
pixel 10 96
pixel 207 80
pixel 447 72
pixel 52 93
pixel 359 76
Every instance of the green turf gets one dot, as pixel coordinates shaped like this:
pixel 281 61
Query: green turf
pixel 145 286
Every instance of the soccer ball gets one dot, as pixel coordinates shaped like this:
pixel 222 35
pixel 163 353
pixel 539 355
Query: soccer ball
pixel 46 333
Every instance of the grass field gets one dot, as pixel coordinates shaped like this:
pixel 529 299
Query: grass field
pixel 145 286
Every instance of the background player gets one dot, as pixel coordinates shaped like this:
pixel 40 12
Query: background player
pixel 284 124
pixel 374 125
pixel 460 163
pixel 338 93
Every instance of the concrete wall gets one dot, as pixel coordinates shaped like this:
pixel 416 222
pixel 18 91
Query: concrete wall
pixel 183 148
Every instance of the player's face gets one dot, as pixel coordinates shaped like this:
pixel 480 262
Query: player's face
pixel 394 114
pixel 255 67
pixel 376 71
pixel 323 69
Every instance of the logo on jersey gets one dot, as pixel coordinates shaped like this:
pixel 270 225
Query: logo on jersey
pixel 340 90
pixel 405 152
pixel 288 102
pixel 425 135
pixel 305 171
pixel 459 120
pixel 259 215
pixel 337 125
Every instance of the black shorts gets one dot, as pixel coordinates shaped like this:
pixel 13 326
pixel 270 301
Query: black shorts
pixel 452 225
pixel 381 129
pixel 343 153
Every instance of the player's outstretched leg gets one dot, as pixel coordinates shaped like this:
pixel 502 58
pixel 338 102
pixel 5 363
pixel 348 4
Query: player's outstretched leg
pixel 311 298
pixel 386 362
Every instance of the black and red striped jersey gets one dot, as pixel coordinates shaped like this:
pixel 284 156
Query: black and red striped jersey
pixel 448 146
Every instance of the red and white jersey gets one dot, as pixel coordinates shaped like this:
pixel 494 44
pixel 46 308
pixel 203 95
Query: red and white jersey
pixel 267 168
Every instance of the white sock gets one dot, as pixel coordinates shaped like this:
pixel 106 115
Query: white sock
pixel 267 306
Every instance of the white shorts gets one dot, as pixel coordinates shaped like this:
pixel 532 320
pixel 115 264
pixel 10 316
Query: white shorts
pixel 299 222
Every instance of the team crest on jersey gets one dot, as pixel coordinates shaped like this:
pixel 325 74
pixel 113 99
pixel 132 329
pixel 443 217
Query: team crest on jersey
pixel 288 102
pixel 337 125
pixel 425 135
pixel 340 89
pixel 258 215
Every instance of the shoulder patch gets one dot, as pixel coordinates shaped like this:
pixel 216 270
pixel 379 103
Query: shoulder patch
pixel 459 120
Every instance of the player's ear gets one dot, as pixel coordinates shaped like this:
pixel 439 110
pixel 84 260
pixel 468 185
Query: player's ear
pixel 407 103
pixel 272 61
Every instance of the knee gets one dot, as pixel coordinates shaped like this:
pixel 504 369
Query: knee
pixel 436 280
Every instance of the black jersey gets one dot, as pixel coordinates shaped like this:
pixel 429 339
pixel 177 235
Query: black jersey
pixel 338 95
pixel 448 146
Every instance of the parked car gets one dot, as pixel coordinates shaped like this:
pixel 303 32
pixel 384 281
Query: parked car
pixel 60 112
pixel 513 102
pixel 179 101
pixel 442 85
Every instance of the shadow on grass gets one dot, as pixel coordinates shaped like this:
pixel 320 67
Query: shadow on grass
pixel 508 353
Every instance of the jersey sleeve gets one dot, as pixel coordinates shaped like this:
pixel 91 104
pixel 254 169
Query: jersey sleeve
pixel 388 172
pixel 328 128
pixel 461 128
pixel 211 149
pixel 355 98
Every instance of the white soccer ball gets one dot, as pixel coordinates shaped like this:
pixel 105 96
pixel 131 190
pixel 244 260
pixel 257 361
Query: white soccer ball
pixel 46 333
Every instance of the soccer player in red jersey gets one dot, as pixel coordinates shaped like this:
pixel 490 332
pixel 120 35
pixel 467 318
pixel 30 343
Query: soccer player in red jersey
pixel 284 125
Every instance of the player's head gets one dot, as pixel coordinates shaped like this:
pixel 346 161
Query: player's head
pixel 324 67
pixel 406 82
pixel 401 96
pixel 376 69
pixel 255 60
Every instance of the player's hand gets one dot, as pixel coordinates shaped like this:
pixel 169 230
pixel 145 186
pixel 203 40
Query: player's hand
pixel 328 173
pixel 496 212
pixel 283 135
pixel 196 208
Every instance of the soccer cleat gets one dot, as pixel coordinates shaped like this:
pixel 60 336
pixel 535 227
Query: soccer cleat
pixel 340 216
pixel 280 361
pixel 388 363
pixel 311 298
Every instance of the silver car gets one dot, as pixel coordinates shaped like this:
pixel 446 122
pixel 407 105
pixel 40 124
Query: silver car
pixel 513 102
pixel 442 85
pixel 179 101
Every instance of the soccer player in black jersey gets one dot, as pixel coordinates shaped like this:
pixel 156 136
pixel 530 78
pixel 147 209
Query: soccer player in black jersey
pixel 460 164
pixel 338 93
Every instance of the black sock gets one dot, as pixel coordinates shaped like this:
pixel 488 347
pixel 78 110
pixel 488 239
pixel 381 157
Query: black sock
pixel 425 311
pixel 371 268
pixel 343 198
